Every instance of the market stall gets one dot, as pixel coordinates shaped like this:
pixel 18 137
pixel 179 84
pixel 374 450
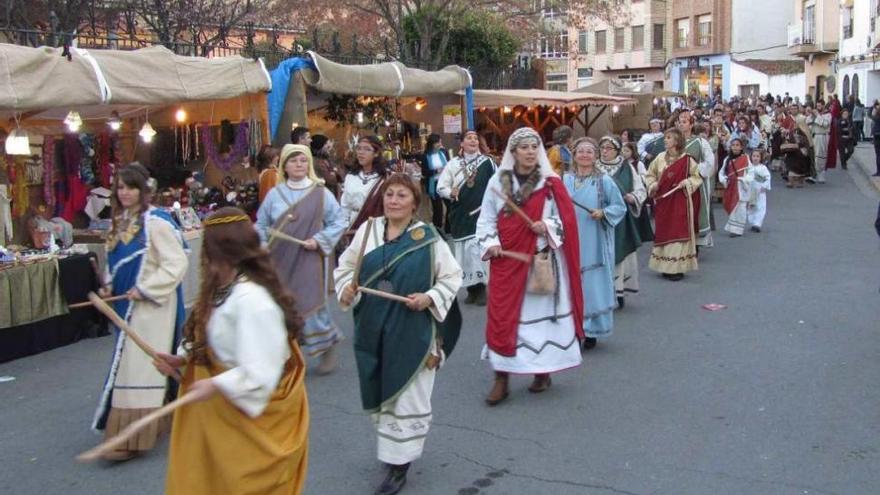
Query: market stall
pixel 196 123
pixel 646 95
pixel 501 112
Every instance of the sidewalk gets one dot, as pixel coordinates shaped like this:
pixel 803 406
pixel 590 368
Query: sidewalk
pixel 864 158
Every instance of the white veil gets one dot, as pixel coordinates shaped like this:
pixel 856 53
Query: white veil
pixel 524 133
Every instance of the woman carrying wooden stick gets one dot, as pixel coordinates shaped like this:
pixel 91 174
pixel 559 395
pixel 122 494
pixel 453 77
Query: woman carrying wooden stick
pixel 301 208
pixel 535 314
pixel 399 346
pixel 674 180
pixel 147 261
pixel 247 432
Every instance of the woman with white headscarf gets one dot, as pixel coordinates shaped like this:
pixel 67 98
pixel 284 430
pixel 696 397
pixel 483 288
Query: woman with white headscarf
pixel 535 310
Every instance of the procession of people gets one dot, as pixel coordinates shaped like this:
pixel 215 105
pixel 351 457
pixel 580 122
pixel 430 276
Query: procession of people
pixel 547 242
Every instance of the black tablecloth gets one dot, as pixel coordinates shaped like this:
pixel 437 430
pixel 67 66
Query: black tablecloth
pixel 77 279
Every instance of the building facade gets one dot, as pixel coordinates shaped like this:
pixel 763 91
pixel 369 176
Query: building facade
pixel 857 71
pixel 632 49
pixel 763 64
pixel 699 49
pixel 814 35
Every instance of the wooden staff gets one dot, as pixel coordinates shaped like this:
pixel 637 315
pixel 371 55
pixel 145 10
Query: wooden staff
pixel 736 171
pixel 676 188
pixel 386 295
pixel 474 212
pixel 133 429
pixel 361 251
pixel 105 299
pixel 513 207
pixel 516 255
pixel 277 234
pixel 588 209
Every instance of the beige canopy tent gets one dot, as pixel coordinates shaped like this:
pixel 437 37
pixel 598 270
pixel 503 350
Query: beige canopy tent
pixel 519 107
pixel 644 93
pixel 34 79
pixel 389 79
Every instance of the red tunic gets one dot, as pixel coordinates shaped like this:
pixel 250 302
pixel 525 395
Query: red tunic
pixel 507 283
pixel 671 213
pixel 735 168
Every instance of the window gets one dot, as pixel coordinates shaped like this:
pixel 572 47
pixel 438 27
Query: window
pixel 809 30
pixel 553 45
pixel 845 88
pixel 704 30
pixel 855 85
pixel 600 42
pixel 585 73
pixel 638 37
pixel 618 39
pixel 659 36
pixel 682 31
pixel 557 82
pixel 582 42
pixel 549 9
pixel 847 22
pixel 632 77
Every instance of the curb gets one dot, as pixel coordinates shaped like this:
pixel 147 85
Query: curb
pixel 867 150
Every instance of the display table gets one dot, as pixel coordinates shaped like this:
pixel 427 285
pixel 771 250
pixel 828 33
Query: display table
pixel 50 323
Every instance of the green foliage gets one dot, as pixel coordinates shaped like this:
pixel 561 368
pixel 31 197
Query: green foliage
pixel 343 110
pixel 474 37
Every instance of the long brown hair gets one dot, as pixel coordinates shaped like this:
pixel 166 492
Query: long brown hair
pixel 234 243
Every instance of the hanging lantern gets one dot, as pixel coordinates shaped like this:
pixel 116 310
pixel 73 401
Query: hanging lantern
pixel 18 143
pixel 114 121
pixel 73 121
pixel 421 103
pixel 615 109
pixel 180 115
pixel 147 132
pixel 359 117
pixel 507 109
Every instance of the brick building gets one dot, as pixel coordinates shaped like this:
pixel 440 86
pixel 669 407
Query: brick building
pixel 699 34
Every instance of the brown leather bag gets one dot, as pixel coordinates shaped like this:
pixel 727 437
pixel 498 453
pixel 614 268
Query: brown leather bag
pixel 542 279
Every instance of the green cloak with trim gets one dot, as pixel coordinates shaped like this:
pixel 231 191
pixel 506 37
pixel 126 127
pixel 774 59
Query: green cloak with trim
pixel 694 148
pixel 392 342
pixel 626 233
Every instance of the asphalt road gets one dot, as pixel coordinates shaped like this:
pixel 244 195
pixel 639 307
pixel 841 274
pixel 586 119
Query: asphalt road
pixel 777 394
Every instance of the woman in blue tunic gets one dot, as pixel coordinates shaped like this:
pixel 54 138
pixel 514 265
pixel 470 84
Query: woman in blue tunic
pixel 147 261
pixel 301 208
pixel 599 207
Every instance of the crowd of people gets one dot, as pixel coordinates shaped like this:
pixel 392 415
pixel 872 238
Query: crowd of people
pixel 547 241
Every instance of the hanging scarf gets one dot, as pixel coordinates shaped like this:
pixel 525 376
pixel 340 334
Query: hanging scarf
pixel 239 148
pixel 49 172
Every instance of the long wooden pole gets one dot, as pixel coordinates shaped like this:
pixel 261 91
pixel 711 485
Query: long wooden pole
pixel 513 207
pixel 361 251
pixel 133 429
pixel 277 234
pixel 89 303
pixel 386 295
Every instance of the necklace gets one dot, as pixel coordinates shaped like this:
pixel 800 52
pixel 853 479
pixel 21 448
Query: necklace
pixel 367 177
pixel 385 285
pixel 221 294
pixel 579 179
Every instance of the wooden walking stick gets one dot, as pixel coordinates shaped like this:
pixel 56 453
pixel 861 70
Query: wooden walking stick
pixel 474 212
pixel 360 259
pixel 105 299
pixel 513 207
pixel 383 294
pixel 516 255
pixel 117 320
pixel 133 429
pixel 277 234
pixel 669 193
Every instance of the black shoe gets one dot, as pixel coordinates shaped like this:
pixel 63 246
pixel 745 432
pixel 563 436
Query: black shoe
pixel 876 175
pixel 589 343
pixel 480 295
pixel 471 296
pixel 394 481
pixel 621 302
pixel 755 228
pixel 674 277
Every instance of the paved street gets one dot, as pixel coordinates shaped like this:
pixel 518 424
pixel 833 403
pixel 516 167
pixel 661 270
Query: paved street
pixel 778 394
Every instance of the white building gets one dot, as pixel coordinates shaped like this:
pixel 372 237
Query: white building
pixel 857 72
pixel 761 62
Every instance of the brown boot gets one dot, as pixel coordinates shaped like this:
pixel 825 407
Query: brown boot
pixel 541 383
pixel 328 361
pixel 499 389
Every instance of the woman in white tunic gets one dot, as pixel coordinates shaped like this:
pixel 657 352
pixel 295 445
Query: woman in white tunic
pixel 400 345
pixel 247 431
pixel 534 330
pixel 360 191
pixel 302 208
pixel 147 261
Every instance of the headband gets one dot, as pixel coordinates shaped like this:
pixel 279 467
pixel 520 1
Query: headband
pixel 611 139
pixel 222 220
pixel 584 140
pixel 520 135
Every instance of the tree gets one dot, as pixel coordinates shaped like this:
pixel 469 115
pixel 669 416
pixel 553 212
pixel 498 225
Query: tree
pixel 472 39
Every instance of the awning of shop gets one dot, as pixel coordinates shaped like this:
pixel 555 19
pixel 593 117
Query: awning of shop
pixel 532 97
